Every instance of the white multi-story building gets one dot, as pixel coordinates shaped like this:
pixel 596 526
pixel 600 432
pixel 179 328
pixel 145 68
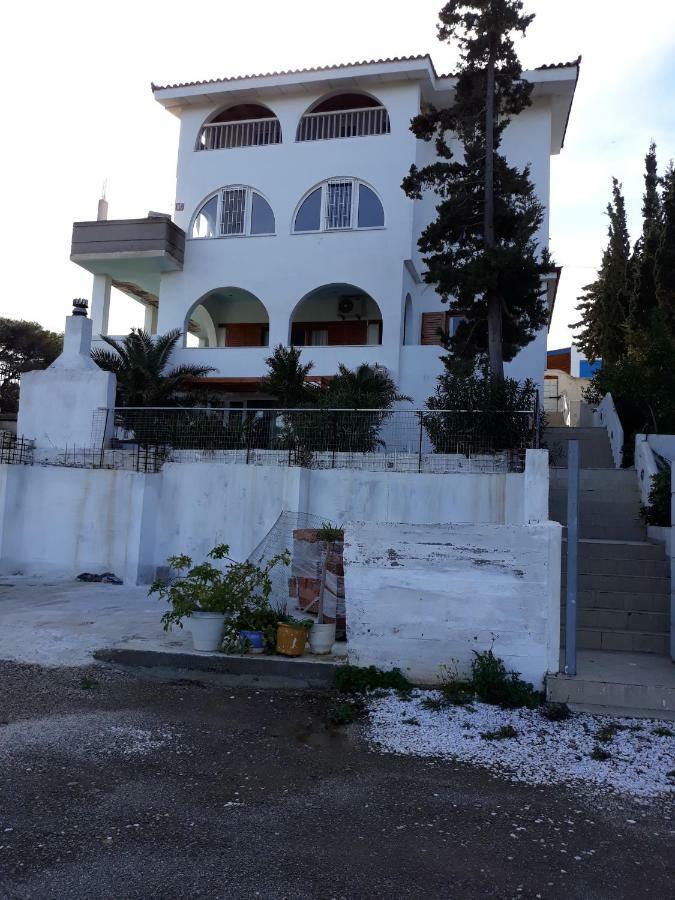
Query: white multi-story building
pixel 291 227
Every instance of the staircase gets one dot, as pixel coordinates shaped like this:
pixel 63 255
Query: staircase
pixel 623 599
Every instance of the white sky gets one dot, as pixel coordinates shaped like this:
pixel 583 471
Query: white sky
pixel 78 110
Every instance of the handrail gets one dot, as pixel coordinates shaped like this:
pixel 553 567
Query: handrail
pixel 337 112
pixel 240 133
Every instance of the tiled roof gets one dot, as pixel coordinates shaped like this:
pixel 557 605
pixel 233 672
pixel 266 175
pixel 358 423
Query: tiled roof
pixel 351 65
pixel 366 62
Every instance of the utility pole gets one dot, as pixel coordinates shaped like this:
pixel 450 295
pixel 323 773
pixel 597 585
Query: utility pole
pixel 494 308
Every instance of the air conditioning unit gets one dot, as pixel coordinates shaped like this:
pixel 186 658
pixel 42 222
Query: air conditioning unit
pixel 351 306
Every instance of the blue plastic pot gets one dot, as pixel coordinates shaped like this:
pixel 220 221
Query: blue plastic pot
pixel 253 639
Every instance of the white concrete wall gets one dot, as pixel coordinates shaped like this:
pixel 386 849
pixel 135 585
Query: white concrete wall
pixel 606 416
pixel 61 520
pixel 422 596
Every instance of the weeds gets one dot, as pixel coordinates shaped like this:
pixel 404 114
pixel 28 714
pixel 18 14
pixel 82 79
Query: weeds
pixel 88 684
pixel 556 712
pixel 345 713
pixel 494 684
pixel 359 680
pixel 607 733
pixel 600 754
pixel 662 731
pixel 501 734
pixel 411 721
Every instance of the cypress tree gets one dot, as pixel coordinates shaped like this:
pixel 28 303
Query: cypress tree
pixel 481 251
pixel 605 303
pixel 665 254
pixel 644 266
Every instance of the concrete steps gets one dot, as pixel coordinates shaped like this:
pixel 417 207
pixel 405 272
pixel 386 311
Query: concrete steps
pixel 627 683
pixel 594 448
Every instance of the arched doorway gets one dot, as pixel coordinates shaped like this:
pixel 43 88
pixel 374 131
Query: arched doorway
pixel 227 317
pixel 336 315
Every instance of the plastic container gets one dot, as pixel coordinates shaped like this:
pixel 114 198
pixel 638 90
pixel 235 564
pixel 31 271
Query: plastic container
pixel 291 641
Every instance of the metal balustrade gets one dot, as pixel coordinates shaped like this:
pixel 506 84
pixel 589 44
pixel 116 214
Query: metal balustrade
pixel 325 126
pixel 248 133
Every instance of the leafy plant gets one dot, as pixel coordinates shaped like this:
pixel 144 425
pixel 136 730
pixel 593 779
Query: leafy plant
pixel 501 734
pixel 658 510
pixel 495 685
pixel 345 713
pixel 331 533
pixel 456 691
pixel 88 684
pixel 607 733
pixel 296 623
pixel 358 679
pixel 234 589
pixel 662 731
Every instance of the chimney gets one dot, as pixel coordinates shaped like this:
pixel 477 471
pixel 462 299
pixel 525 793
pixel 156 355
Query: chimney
pixel 102 214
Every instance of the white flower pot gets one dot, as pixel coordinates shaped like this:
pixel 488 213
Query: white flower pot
pixel 321 638
pixel 207 630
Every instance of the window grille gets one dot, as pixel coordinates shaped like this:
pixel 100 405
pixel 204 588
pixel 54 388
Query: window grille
pixel 233 211
pixel 339 205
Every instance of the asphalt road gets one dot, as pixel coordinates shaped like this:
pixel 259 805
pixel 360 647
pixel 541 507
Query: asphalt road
pixel 139 787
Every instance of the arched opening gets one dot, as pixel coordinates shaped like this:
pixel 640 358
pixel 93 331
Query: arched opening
pixel 243 125
pixel 227 317
pixel 233 211
pixel 408 332
pixel 344 115
pixel 339 204
pixel 336 315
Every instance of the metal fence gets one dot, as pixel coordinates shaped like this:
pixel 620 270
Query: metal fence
pixel 15 450
pixel 389 440
pixel 131 457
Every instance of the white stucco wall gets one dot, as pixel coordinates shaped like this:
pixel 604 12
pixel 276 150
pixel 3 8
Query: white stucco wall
pixel 422 596
pixel 62 520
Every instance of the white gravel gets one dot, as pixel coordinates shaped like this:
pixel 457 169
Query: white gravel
pixel 543 752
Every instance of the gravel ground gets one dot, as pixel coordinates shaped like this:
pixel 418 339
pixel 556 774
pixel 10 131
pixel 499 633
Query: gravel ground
pixel 118 785
pixel 640 753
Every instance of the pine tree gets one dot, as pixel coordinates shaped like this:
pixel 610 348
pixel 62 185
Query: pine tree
pixel 644 263
pixel 665 254
pixel 481 250
pixel 605 304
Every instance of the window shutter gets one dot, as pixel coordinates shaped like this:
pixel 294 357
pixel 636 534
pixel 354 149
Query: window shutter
pixel 431 322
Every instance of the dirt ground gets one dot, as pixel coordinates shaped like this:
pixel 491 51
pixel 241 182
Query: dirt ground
pixel 145 785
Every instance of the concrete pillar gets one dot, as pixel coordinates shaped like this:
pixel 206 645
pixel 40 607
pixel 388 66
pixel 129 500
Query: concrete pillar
pixel 279 329
pixel 536 487
pixel 100 304
pixel 670 546
pixel 151 314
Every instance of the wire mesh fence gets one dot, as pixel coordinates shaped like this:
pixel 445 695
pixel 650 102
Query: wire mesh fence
pixel 15 450
pixel 389 440
pixel 148 458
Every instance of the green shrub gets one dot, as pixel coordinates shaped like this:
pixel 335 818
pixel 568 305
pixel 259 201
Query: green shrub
pixel 599 754
pixel 501 734
pixel 494 684
pixel 556 712
pixel 358 680
pixel 658 511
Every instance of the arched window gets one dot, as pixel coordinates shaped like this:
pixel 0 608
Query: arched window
pixel 339 204
pixel 344 116
pixel 233 211
pixel 244 125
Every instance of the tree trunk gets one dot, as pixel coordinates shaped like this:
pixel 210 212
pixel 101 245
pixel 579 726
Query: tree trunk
pixel 494 307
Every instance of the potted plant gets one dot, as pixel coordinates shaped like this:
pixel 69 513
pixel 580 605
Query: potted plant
pixel 322 635
pixel 208 594
pixel 292 635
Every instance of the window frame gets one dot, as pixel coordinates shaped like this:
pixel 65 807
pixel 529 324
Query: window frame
pixel 324 207
pixel 248 212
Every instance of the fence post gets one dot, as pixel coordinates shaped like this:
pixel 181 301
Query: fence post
pixel 535 441
pixel 248 437
pixel 572 557
pixel 334 439
pixel 419 448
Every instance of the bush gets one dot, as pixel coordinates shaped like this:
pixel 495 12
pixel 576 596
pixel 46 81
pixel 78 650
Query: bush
pixel 486 414
pixel 358 680
pixel 556 712
pixel 658 511
pixel 495 685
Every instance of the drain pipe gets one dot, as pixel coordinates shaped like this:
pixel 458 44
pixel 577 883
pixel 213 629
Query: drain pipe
pixel 572 557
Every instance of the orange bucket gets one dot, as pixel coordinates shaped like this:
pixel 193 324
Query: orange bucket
pixel 291 641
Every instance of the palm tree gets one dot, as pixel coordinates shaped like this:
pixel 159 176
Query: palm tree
pixel 366 387
pixel 286 379
pixel 141 364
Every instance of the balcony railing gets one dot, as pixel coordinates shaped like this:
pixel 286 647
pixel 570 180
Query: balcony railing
pixel 249 133
pixel 346 123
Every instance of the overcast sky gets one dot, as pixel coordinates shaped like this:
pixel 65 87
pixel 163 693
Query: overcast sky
pixel 78 110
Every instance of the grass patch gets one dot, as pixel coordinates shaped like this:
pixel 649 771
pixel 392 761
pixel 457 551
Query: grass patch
pixel 411 721
pixel 490 682
pixel 436 704
pixel 344 713
pixel 600 754
pixel 501 734
pixel 607 733
pixel 662 731
pixel 88 684
pixel 359 680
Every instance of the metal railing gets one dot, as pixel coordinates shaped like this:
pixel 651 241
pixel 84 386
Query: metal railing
pixel 325 126
pixel 379 440
pixel 248 133
pixel 15 450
